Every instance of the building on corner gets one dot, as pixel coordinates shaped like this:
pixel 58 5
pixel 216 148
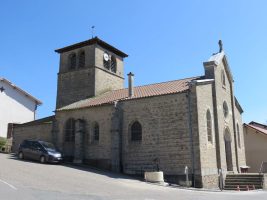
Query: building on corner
pixel 255 137
pixel 17 106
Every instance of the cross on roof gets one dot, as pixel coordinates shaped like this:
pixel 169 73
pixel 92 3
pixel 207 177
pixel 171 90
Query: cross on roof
pixel 220 46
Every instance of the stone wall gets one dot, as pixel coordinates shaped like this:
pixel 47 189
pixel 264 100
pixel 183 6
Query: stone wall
pixel 96 153
pixel 99 52
pixel 106 80
pixel 37 130
pixel 89 51
pixel 241 150
pixel 165 136
pixel 92 80
pixel 74 86
pixel 222 93
pixel 208 160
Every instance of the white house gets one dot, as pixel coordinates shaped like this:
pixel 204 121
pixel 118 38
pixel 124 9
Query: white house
pixel 16 105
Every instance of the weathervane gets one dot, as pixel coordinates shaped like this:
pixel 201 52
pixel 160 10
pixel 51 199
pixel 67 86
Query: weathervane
pixel 93 31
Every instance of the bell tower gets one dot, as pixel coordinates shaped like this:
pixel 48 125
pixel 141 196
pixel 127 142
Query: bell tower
pixel 88 69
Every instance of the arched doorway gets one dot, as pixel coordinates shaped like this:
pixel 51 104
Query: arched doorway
pixel 228 149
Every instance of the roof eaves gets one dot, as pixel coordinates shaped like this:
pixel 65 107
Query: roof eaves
pixel 94 40
pixel 238 106
pixel 254 128
pixel 38 102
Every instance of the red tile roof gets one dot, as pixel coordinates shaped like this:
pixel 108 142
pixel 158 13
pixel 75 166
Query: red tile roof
pixel 156 89
pixel 258 127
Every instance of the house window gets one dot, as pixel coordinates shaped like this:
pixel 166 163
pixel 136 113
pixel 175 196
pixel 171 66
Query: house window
pixel 81 59
pixel 70 130
pixel 72 61
pixel 238 136
pixel 136 131
pixel 209 126
pixel 225 110
pixel 96 132
pixel 223 78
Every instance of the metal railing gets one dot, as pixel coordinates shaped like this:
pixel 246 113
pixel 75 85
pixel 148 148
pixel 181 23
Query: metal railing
pixel 263 168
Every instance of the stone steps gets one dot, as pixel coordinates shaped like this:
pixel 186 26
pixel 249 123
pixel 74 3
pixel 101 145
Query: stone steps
pixel 243 181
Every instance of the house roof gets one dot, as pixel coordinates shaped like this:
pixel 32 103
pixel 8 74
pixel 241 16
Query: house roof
pixel 145 91
pixel 262 128
pixel 38 102
pixel 94 40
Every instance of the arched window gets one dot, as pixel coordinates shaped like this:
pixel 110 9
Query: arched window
pixel 81 59
pixel 96 132
pixel 70 130
pixel 223 78
pixel 109 62
pixel 72 61
pixel 136 131
pixel 113 64
pixel 225 109
pixel 106 60
pixel 238 136
pixel 209 126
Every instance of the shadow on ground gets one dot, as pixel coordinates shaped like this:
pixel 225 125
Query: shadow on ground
pixel 83 167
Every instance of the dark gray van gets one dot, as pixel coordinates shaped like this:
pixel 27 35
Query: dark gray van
pixel 39 150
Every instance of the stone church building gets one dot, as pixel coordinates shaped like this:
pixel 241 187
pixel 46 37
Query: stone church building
pixel 194 122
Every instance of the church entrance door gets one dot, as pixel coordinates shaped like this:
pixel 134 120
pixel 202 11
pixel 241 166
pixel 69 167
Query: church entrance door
pixel 228 150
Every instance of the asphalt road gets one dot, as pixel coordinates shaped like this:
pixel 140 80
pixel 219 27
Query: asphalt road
pixel 25 180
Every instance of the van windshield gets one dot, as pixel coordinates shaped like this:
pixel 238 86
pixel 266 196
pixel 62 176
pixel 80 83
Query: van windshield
pixel 48 145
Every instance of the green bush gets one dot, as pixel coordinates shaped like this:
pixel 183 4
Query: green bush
pixel 2 142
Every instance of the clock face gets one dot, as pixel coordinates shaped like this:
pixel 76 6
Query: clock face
pixel 106 57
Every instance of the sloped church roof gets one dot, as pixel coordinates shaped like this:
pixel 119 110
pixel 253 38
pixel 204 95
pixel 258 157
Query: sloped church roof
pixel 151 90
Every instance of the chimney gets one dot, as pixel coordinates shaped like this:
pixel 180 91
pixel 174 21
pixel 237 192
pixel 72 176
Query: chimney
pixel 130 84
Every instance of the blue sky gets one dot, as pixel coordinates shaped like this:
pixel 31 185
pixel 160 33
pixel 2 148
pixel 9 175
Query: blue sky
pixel 165 40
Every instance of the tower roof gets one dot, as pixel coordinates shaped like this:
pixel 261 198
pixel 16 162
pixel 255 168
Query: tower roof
pixel 94 40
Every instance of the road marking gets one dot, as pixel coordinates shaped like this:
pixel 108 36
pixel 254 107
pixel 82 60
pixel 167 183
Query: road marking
pixel 14 188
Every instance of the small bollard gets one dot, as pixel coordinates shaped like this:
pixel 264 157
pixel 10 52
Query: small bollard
pixel 186 176
pixel 221 185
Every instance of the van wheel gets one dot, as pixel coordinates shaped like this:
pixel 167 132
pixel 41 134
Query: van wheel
pixel 42 159
pixel 21 156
